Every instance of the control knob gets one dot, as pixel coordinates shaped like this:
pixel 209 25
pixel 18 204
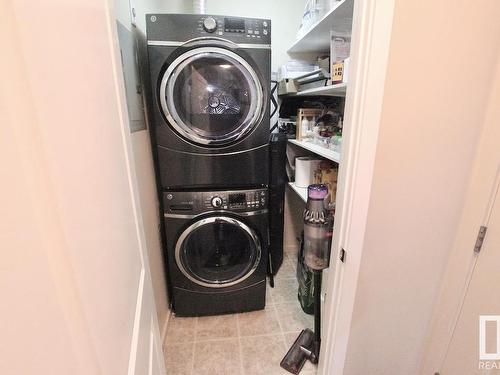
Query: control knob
pixel 210 24
pixel 217 202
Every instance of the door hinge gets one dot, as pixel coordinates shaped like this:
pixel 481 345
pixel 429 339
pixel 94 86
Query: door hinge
pixel 342 255
pixel 480 239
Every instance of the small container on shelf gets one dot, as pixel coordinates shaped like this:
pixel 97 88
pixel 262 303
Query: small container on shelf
pixel 306 118
pixel 336 143
pixel 336 139
pixel 340 49
pixel 324 129
pixel 321 141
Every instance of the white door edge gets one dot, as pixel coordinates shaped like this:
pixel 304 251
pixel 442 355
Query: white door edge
pixel 372 27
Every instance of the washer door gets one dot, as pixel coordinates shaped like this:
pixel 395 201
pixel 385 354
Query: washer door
pixel 218 252
pixel 211 96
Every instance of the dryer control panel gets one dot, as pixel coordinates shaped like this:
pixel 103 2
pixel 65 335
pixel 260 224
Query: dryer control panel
pixel 194 203
pixel 184 27
pixel 239 30
pixel 246 200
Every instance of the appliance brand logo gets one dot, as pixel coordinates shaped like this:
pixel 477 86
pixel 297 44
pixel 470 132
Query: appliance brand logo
pixel 489 342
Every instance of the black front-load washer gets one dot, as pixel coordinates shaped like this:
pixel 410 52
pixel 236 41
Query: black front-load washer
pixel 208 100
pixel 217 244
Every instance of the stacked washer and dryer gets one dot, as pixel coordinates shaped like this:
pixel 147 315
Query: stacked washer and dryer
pixel 208 112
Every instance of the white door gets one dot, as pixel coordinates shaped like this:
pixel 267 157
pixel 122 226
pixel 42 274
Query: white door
pixel 77 291
pixel 482 298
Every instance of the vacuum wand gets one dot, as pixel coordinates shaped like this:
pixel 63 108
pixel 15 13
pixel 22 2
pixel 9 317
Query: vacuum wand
pixel 317 316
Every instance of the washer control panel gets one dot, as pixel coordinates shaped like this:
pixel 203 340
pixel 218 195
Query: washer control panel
pixel 244 200
pixel 184 202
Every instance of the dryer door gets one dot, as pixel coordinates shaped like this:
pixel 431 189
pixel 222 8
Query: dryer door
pixel 211 96
pixel 218 251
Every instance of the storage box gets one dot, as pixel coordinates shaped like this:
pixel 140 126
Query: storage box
pixel 340 71
pixel 287 86
pixel 327 174
pixel 340 46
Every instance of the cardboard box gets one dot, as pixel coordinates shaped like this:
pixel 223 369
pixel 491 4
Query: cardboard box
pixel 340 71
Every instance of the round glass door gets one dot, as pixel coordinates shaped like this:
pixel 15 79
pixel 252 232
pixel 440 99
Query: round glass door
pixel 218 252
pixel 211 96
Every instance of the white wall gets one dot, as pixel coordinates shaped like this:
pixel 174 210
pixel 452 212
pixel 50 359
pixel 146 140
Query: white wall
pixel 285 18
pixel 442 59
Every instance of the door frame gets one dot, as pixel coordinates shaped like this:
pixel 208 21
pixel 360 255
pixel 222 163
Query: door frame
pixel 145 291
pixel 371 36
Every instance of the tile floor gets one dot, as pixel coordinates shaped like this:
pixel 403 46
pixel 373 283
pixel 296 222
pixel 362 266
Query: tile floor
pixel 250 343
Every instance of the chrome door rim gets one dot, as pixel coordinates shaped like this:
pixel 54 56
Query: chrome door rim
pixel 211 220
pixel 255 112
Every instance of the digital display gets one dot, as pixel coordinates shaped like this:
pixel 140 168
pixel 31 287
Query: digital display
pixel 234 24
pixel 237 199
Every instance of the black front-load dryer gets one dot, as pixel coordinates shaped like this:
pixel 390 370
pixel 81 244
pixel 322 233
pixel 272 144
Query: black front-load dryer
pixel 217 244
pixel 208 101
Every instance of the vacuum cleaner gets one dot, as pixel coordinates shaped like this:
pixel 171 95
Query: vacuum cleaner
pixel 318 225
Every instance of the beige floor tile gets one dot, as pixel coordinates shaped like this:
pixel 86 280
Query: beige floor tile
pixel 287 270
pixel 179 359
pixel 180 330
pixel 217 358
pixel 262 354
pixel 308 368
pixel 216 327
pixel 258 322
pixel 285 290
pixel 290 254
pixel 292 318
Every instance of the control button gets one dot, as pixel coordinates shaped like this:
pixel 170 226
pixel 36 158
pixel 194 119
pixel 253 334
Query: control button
pixel 210 24
pixel 264 32
pixel 256 32
pixel 250 31
pixel 217 202
pixel 264 24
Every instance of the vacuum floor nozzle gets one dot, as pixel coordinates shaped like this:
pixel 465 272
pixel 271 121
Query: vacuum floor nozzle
pixel 299 353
